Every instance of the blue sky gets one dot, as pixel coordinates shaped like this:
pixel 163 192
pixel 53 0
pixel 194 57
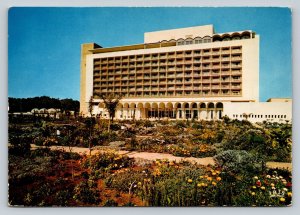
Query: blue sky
pixel 44 43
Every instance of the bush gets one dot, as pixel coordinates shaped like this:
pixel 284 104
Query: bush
pixel 237 162
pixel 86 192
pixel 108 161
pixel 20 146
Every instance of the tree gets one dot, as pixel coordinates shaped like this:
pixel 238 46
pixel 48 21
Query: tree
pixel 91 106
pixel 111 102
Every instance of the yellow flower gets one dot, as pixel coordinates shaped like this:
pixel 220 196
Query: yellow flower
pixel 282 199
pixel 253 193
pixel 254 187
pixel 199 185
pixel 116 165
pixel 263 188
pixel 289 194
pixel 202 184
pixel 255 177
pixel 171 163
pixel 214 183
pixel 139 183
pixel 219 178
pixel 272 185
pixel 218 172
pixel 190 180
pixel 200 176
pixel 209 178
pixel 214 173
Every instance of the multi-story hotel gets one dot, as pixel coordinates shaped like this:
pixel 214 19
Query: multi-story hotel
pixel 180 74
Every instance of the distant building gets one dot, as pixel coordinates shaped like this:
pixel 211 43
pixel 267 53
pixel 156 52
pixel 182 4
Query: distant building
pixel 181 74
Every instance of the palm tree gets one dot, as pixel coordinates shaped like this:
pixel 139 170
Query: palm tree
pixel 111 102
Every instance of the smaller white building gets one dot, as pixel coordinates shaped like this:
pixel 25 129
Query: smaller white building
pixel 274 110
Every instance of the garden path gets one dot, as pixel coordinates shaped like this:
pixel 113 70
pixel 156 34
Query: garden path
pixel 161 156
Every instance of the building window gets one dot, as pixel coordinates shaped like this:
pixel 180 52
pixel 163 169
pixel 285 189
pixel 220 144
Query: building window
pixel 198 41
pixel 206 40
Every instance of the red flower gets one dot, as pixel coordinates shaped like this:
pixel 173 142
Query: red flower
pixel 289 184
pixel 258 183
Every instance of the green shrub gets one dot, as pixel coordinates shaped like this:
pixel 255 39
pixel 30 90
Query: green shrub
pixel 86 192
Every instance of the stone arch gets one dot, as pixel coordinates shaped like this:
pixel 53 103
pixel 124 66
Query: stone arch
pixel 246 35
pixel 217 38
pixel 177 105
pixel 147 105
pixel 180 42
pixel 140 105
pixel 235 36
pixel 219 105
pixel 219 110
pixel 202 105
pixel 198 40
pixel 194 110
pixel 186 105
pixel 226 37
pixel 206 39
pixel 126 105
pixel 210 105
pixel 169 105
pixel 161 105
pixel 154 105
pixel 188 41
pixel 194 105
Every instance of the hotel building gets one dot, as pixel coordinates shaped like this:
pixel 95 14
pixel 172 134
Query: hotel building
pixel 180 74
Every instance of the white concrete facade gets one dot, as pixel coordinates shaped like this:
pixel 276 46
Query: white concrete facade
pixel 218 76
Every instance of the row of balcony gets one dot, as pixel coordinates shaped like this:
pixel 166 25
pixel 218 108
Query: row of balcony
pixel 187 60
pixel 167 56
pixel 156 69
pixel 178 94
pixel 172 88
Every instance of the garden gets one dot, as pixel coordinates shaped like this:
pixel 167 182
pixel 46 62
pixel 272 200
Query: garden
pixel 41 176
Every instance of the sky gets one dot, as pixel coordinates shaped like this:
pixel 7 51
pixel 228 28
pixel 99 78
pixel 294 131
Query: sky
pixel 44 43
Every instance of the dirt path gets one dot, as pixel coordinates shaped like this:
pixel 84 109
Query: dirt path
pixel 155 156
